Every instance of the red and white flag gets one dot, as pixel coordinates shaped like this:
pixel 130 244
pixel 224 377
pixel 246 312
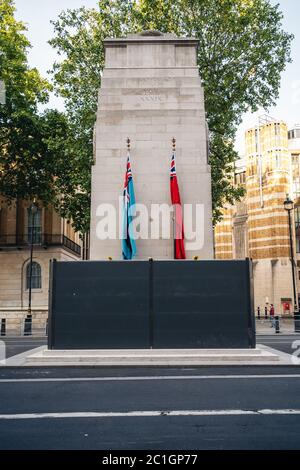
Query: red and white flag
pixel 179 251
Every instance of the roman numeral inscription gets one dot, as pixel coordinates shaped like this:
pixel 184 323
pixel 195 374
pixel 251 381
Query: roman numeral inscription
pixel 150 95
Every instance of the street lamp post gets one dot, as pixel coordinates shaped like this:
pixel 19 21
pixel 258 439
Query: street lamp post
pixel 33 211
pixel 289 206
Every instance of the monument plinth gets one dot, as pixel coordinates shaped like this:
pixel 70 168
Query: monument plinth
pixel 151 92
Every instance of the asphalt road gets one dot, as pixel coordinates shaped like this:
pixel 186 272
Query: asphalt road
pixel 151 408
pixel 160 409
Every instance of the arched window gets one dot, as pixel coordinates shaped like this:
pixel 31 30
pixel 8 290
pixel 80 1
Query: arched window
pixel 36 276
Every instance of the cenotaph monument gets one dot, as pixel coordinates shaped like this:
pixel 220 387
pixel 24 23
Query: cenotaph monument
pixel 151 93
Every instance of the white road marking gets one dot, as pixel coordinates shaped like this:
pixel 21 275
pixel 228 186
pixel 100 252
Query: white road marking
pixel 160 413
pixel 158 377
pixel 278 342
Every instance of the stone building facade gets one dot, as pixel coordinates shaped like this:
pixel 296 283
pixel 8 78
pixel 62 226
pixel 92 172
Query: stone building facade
pixel 258 227
pixel 53 237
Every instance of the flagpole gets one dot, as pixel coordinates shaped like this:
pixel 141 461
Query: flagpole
pixel 174 208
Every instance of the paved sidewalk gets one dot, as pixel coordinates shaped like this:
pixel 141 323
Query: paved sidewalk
pixel 287 326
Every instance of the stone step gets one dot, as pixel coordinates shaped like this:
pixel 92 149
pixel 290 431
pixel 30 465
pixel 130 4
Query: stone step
pixel 151 357
pixel 151 352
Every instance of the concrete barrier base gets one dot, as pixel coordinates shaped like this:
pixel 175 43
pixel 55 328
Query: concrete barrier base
pixel 262 355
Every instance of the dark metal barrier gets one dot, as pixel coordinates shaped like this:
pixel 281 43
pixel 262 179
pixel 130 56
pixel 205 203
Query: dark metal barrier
pixel 159 304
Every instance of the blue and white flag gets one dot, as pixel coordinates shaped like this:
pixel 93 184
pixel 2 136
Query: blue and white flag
pixel 128 241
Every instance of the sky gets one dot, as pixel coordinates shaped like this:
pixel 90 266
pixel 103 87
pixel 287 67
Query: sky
pixel 38 13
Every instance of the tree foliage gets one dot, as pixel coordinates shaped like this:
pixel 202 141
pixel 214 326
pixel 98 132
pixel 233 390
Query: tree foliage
pixel 70 170
pixel 242 51
pixel 41 154
pixel 21 153
pixel 24 86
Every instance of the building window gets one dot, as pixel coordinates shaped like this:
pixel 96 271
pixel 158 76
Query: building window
pixel 277 161
pixel 277 135
pixel 296 187
pixel 297 228
pixel 240 178
pixel 34 228
pixel 36 276
pixel 256 140
pixel 294 134
pixel 295 159
pixel 291 135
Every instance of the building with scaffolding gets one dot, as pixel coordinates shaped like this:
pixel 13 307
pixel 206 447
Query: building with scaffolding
pixel 257 227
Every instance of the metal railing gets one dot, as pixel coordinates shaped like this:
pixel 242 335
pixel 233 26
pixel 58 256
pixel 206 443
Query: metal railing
pixel 13 327
pixel 39 239
pixel 71 245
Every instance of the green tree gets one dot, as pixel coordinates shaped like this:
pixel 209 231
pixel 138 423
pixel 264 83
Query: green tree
pixel 21 172
pixel 41 154
pixel 79 38
pixel 70 168
pixel 243 50
pixel 24 86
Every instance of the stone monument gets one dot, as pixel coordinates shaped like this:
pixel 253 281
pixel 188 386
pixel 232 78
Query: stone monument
pixel 151 92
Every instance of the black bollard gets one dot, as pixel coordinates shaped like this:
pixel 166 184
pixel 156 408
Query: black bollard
pixel 266 313
pixel 297 322
pixel 258 313
pixel 3 327
pixel 28 325
pixel 277 324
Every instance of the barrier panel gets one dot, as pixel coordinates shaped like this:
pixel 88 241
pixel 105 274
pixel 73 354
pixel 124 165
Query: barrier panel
pixel 151 304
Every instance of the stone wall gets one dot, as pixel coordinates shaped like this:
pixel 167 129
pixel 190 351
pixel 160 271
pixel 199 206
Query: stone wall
pixel 13 292
pixel 273 283
pixel 14 321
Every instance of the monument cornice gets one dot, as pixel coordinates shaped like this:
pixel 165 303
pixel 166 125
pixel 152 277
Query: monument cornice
pixel 123 42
